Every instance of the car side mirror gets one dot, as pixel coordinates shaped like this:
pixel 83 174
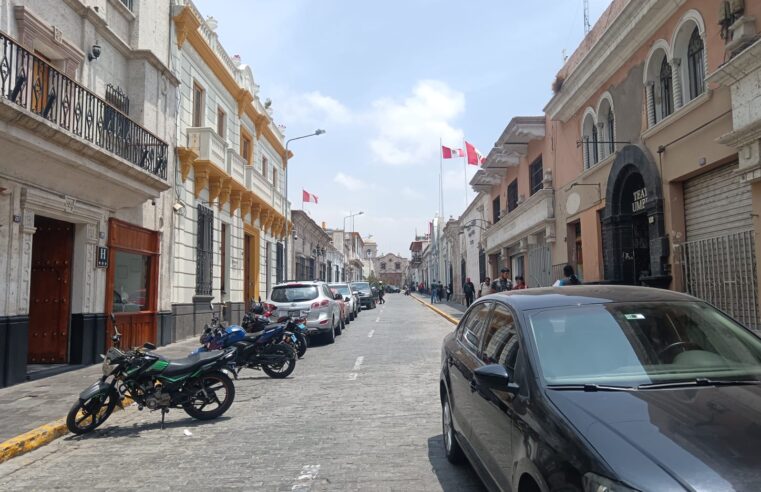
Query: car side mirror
pixel 338 297
pixel 495 377
pixel 149 346
pixel 347 299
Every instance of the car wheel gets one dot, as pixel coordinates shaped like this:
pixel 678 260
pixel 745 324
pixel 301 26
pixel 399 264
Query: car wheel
pixel 451 446
pixel 340 328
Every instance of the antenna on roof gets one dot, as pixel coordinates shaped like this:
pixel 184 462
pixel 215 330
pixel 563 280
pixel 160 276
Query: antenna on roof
pixel 587 27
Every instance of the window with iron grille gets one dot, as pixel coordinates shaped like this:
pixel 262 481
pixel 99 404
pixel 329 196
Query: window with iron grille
pixel 512 195
pixel 536 175
pixel 495 210
pixel 204 252
pixel 128 4
pixel 696 64
pixel 666 85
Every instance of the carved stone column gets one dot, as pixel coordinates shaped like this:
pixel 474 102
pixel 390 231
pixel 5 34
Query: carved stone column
pixel 650 92
pixel 601 138
pixel 26 232
pixel 677 81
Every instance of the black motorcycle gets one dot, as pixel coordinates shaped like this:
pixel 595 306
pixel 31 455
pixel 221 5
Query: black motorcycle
pixel 199 384
pixel 257 319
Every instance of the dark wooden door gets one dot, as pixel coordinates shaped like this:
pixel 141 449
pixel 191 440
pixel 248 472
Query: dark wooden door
pixel 247 290
pixel 50 291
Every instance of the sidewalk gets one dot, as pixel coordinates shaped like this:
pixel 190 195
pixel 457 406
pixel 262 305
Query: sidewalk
pixel 453 309
pixel 29 405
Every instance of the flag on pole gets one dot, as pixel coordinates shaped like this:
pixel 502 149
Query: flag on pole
pixel 308 197
pixel 474 157
pixel 449 153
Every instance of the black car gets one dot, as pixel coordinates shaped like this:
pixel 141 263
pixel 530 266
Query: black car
pixel 368 297
pixel 603 388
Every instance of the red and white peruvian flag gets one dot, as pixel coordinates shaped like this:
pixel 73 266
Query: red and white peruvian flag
pixel 308 197
pixel 449 153
pixel 474 156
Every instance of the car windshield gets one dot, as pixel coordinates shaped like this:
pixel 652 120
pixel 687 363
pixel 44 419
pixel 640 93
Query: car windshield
pixel 294 293
pixel 362 286
pixel 343 289
pixel 628 344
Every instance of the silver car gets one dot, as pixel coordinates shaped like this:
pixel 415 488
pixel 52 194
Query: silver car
pixel 310 300
pixel 349 297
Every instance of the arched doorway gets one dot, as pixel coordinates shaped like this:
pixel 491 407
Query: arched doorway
pixel 635 246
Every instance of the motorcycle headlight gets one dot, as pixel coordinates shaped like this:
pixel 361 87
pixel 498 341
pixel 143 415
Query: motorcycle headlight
pixel 107 366
pixel 596 483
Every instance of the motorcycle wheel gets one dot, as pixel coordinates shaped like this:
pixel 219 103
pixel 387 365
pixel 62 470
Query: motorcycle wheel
pixel 206 389
pixel 283 369
pixel 302 345
pixel 86 415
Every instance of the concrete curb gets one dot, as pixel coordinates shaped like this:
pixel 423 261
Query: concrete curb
pixel 437 311
pixel 36 438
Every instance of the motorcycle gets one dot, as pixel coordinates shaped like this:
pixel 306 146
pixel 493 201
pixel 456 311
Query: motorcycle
pixel 199 384
pixel 263 350
pixel 295 335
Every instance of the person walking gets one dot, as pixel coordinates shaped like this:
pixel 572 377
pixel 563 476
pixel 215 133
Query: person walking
pixel 519 283
pixel 570 278
pixel 441 292
pixel 449 291
pixel 469 290
pixel 485 287
pixel 434 293
pixel 503 282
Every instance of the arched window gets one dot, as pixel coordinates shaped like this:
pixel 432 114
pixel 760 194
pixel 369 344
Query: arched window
pixel 696 64
pixel 589 140
pixel 666 89
pixel 611 132
pixel 593 144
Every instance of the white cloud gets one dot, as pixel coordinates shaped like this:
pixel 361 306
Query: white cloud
pixel 349 182
pixel 408 131
pixel 314 108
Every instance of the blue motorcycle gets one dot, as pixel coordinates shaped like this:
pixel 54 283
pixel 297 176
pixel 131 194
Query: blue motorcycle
pixel 264 350
pixel 296 334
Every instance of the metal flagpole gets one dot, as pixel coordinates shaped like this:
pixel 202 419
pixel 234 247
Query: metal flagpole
pixel 465 172
pixel 441 178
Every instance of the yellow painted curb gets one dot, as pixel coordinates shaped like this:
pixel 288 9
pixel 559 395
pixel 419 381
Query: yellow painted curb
pixel 36 438
pixel 437 310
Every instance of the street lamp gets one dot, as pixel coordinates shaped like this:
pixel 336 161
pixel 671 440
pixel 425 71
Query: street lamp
pixel 317 132
pixel 343 230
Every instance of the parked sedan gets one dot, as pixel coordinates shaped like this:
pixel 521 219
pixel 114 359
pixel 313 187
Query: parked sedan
pixel 594 388
pixel 314 300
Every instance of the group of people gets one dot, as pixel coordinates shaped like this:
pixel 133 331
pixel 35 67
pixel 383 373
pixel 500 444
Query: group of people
pixel 504 283
pixel 440 293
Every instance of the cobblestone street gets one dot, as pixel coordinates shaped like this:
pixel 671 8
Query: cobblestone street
pixel 362 414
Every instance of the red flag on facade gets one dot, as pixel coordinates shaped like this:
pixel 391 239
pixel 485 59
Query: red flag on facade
pixel 308 197
pixel 474 156
pixel 449 153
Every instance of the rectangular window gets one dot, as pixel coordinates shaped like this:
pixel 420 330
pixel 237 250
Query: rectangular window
pixel 280 261
pixel 265 166
pixel 198 103
pixel 221 118
pixel 274 178
pixel 131 274
pixel 495 208
pixel 245 147
pixel 204 250
pixel 536 175
pixel 223 259
pixel 397 265
pixel 512 195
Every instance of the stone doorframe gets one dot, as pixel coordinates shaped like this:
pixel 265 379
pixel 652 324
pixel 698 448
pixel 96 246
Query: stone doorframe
pixel 633 158
pixel 88 283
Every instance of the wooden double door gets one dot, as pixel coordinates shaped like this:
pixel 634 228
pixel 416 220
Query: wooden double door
pixel 50 291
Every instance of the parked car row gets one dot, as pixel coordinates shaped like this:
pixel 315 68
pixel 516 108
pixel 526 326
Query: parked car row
pixel 602 388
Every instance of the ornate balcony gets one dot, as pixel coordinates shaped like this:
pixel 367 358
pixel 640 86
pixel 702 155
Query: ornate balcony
pixel 530 216
pixel 95 141
pixel 208 146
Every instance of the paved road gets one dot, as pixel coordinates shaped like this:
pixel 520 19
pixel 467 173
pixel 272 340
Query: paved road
pixel 361 414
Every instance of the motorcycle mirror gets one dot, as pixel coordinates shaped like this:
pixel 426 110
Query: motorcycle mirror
pixel 149 346
pixel 113 318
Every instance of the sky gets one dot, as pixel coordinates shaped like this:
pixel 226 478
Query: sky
pixel 388 81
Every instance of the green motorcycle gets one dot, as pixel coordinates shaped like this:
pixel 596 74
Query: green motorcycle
pixel 199 384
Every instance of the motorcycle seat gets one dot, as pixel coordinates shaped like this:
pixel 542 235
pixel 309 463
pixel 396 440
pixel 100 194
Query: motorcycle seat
pixel 191 362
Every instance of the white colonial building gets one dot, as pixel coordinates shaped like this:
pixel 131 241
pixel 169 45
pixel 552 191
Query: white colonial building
pixel 87 127
pixel 232 216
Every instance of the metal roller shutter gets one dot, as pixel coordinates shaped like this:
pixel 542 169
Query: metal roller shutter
pixel 716 203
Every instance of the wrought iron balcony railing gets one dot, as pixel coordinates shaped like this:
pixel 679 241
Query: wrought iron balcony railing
pixel 33 84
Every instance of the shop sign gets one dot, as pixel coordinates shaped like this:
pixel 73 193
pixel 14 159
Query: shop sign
pixel 640 197
pixel 102 260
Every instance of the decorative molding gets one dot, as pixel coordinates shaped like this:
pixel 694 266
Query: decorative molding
pixel 32 29
pixel 187 157
pixel 215 187
pixel 235 196
pixel 677 114
pixel 200 176
pixel 185 23
pixel 244 99
pixel 224 193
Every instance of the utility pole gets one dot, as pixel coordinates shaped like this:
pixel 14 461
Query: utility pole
pixel 587 27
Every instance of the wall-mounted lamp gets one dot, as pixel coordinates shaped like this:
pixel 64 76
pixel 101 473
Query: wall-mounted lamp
pixel 94 52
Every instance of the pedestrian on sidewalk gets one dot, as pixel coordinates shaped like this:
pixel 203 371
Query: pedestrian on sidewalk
pixel 469 290
pixel 440 293
pixel 449 291
pixel 503 283
pixel 485 287
pixel 434 293
pixel 519 283
pixel 570 278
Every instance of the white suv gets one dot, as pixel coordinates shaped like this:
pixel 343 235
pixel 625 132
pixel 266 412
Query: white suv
pixel 312 300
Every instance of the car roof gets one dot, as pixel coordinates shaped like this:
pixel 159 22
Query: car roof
pixel 578 295
pixel 298 283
